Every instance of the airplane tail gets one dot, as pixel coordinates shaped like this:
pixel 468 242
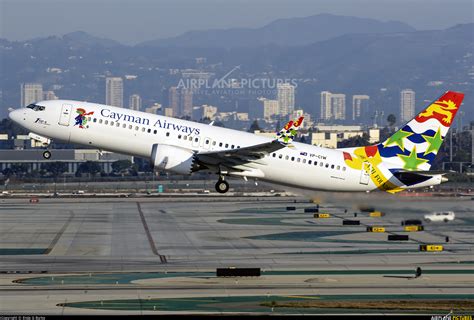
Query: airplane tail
pixel 289 131
pixel 415 145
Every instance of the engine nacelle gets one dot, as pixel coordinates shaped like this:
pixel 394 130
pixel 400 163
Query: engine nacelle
pixel 171 158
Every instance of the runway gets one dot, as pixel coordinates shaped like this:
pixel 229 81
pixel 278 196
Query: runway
pixel 59 253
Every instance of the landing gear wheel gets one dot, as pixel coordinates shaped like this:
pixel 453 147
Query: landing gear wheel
pixel 222 186
pixel 47 155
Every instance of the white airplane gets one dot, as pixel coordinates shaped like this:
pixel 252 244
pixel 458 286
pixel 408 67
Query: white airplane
pixel 401 162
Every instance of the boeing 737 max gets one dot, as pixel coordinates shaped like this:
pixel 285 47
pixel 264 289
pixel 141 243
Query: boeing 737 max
pixel 402 161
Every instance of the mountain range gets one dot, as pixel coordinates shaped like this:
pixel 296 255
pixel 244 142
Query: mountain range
pixel 283 32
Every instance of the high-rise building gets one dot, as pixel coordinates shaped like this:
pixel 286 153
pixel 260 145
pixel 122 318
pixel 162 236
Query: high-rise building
pixel 338 102
pixel 270 107
pixel 286 99
pixel 326 109
pixel 181 101
pixel 30 93
pixel 186 103
pixel 360 107
pixel 407 105
pixel 135 102
pixel 114 91
pixel 168 112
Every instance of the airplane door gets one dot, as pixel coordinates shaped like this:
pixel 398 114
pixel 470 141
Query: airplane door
pixel 65 115
pixel 365 173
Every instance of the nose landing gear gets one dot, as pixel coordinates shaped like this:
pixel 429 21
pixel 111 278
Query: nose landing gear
pixel 222 186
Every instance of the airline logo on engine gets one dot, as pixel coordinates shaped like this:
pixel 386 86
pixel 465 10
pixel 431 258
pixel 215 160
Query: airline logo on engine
pixel 145 121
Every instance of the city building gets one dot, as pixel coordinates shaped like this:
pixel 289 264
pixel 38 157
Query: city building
pixel 135 102
pixel 114 91
pixel 30 93
pixel 407 105
pixel 270 108
pixel 208 112
pixel 326 109
pixel 168 112
pixel 330 136
pixel 286 99
pixel 33 158
pixel 181 101
pixel 338 105
pixel 360 108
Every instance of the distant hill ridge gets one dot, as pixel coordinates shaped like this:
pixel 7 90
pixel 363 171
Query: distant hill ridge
pixel 285 32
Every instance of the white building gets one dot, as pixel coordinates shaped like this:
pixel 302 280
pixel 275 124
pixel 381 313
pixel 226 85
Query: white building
pixel 326 110
pixel 338 102
pixel 154 109
pixel 407 105
pixel 30 93
pixel 114 91
pixel 135 102
pixel 360 107
pixel 286 99
pixel 270 108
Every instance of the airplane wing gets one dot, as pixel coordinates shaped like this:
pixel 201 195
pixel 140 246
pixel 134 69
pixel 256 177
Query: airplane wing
pixel 242 158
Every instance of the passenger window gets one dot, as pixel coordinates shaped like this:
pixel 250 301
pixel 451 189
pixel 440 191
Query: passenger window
pixel 167 134
pixel 343 168
pixel 100 120
pixel 274 155
pixel 232 146
pixel 143 129
pixel 136 128
pixel 298 160
pixel 118 125
pixel 287 157
pixel 190 138
pixel 327 165
pixel 227 145
pixel 179 136
pixel 95 120
pixel 196 139
pixel 309 161
pixel 124 125
pixel 280 156
pixel 320 164
pixel 304 160
pixel 332 166
pixel 106 122
pixel 149 130
pixel 213 143
pixel 338 167
pixel 130 127
pixel 292 158
pixel 207 141
pixel 315 163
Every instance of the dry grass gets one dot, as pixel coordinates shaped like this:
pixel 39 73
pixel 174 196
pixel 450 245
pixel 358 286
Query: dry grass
pixel 415 305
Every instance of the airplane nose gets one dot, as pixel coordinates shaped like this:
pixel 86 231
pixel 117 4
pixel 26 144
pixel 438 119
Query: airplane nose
pixel 16 115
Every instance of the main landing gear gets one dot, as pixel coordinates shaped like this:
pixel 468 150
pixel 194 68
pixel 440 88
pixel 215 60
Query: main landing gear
pixel 222 186
pixel 47 154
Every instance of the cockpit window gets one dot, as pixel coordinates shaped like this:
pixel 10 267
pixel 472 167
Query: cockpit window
pixel 35 107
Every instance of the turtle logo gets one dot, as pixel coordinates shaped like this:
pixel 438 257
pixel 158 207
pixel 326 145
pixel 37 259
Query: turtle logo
pixel 81 118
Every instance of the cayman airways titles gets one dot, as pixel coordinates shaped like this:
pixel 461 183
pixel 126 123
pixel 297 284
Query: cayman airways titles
pixel 161 123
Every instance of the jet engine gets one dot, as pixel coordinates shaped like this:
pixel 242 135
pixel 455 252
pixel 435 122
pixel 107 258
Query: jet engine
pixel 171 158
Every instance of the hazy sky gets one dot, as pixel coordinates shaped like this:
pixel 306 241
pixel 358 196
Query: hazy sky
pixel 132 21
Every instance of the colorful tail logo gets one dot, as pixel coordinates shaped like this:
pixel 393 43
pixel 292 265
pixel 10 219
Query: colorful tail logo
pixel 415 145
pixel 289 131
